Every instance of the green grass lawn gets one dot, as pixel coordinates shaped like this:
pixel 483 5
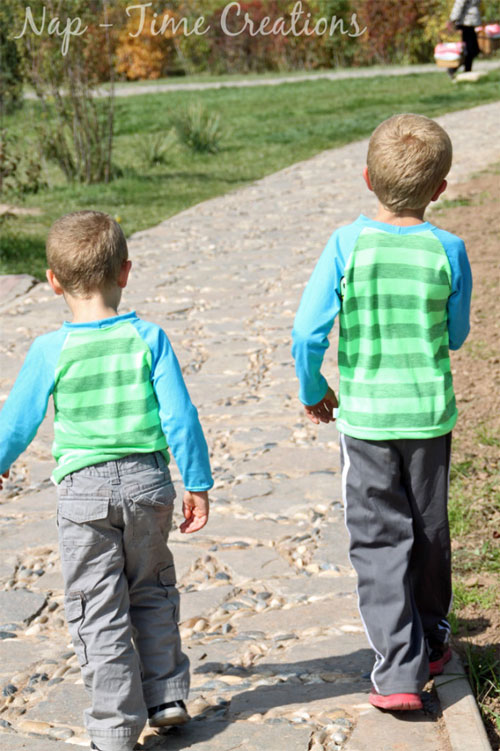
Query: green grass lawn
pixel 266 129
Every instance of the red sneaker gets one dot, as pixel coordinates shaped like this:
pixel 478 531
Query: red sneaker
pixel 395 701
pixel 436 667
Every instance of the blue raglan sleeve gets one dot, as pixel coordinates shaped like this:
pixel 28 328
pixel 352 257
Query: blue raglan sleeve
pixel 178 415
pixel 461 288
pixel 27 402
pixel 318 308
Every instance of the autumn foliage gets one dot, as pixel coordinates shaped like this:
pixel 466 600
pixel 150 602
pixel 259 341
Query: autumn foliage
pixel 148 54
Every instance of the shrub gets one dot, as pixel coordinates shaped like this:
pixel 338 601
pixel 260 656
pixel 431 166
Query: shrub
pixel 155 148
pixel 77 129
pixel 10 65
pixel 20 172
pixel 198 129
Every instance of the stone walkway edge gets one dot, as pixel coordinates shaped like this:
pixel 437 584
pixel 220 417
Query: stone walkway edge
pixel 269 613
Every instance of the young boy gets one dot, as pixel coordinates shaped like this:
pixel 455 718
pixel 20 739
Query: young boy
pixel 118 395
pixel 402 290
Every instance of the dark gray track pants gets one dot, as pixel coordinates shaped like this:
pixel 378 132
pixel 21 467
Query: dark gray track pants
pixel 395 495
pixel 121 601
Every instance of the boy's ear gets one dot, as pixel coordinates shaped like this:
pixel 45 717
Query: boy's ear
pixel 52 280
pixel 124 272
pixel 440 190
pixel 367 179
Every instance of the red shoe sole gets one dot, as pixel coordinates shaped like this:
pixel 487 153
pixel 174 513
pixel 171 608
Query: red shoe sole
pixel 437 667
pixel 395 702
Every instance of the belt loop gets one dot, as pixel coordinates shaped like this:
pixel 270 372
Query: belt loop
pixel 156 459
pixel 114 473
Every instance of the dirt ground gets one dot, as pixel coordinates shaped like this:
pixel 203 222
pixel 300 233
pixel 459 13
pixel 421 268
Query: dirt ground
pixel 472 211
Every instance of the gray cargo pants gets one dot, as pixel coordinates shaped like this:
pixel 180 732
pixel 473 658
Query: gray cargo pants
pixel 121 602
pixel 395 495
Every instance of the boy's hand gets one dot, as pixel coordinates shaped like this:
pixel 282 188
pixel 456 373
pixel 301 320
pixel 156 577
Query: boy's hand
pixel 195 507
pixel 5 474
pixel 323 410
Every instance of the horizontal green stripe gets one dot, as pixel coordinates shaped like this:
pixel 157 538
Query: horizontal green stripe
pixel 394 302
pixel 395 420
pixel 104 439
pixel 114 411
pixel 113 426
pixel 65 403
pixel 409 361
pixel 379 286
pixel 395 347
pixel 104 348
pixel 393 331
pixel 399 272
pixel 390 317
pixel 397 390
pixel 364 403
pixel 112 379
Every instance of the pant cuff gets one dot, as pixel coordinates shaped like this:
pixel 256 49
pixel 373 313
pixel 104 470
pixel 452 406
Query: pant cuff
pixel 174 691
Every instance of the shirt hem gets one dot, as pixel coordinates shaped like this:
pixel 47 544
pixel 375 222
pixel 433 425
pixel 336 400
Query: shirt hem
pixel 378 434
pixel 60 472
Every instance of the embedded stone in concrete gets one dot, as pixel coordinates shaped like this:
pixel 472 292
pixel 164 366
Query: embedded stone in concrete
pixel 316 585
pixel 184 557
pixel 201 602
pixel 254 563
pixel 18 655
pixel 332 612
pixel 14 742
pixel 252 489
pixel 383 730
pixel 333 545
pixel 20 606
pixel 223 736
pixel 64 705
pixel 30 535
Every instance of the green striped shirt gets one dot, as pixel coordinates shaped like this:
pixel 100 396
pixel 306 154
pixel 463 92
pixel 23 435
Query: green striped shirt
pixel 402 293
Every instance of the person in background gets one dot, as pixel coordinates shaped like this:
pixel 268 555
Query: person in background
pixel 465 15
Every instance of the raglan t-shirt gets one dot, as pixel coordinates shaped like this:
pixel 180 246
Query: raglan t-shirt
pixel 117 389
pixel 403 298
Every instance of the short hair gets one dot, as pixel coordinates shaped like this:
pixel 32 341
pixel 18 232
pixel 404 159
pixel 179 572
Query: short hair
pixel 408 158
pixel 86 250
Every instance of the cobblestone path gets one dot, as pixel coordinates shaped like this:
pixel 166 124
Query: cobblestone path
pixel 269 616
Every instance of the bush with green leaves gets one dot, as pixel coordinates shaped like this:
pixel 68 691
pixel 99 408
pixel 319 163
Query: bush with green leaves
pixel 77 125
pixel 20 170
pixel 199 129
pixel 156 148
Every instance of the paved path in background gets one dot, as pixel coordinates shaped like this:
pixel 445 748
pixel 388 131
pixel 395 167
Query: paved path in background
pixel 269 616
pixel 122 90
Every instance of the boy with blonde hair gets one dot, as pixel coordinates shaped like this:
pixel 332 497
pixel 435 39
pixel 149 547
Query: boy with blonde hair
pixel 402 288
pixel 118 395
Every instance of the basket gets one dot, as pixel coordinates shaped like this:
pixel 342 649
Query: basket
pixel 449 54
pixel 488 38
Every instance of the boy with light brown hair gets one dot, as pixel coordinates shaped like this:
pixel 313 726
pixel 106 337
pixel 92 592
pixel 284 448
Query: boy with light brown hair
pixel 118 396
pixel 402 289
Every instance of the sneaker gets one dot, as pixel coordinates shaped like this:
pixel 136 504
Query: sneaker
pixel 171 713
pixel 437 661
pixel 395 701
pixel 93 746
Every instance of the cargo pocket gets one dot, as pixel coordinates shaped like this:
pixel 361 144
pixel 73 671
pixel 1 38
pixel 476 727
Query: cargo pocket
pixel 74 605
pixel 82 510
pixel 82 527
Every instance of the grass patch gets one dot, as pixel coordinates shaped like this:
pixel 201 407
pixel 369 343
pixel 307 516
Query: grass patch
pixel 266 129
pixel 483 669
